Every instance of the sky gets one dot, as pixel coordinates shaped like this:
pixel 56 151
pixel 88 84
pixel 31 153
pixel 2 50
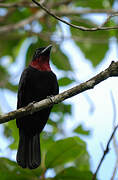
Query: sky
pixel 99 119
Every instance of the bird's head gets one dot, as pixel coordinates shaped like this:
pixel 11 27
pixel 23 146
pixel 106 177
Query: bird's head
pixel 41 58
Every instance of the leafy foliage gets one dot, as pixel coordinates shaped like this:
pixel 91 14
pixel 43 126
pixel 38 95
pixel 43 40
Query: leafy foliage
pixel 65 81
pixel 64 151
pixel 61 61
pixel 80 130
pixel 10 169
pixel 73 173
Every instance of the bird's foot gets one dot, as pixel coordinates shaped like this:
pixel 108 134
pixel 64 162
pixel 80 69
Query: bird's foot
pixel 30 106
pixel 51 98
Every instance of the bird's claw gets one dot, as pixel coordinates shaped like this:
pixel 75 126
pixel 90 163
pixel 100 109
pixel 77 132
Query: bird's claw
pixel 50 97
pixel 29 106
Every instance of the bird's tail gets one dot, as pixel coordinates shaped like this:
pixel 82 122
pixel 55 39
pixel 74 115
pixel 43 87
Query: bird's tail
pixel 29 155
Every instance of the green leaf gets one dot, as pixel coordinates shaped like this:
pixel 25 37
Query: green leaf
pixel 11 131
pixel 94 52
pixel 17 48
pixel 17 15
pixel 65 81
pixel 63 108
pixel 11 87
pixel 48 24
pixel 10 170
pixel 4 80
pixel 52 123
pixel 81 130
pixel 11 1
pixel 82 162
pixel 61 61
pixel 4 75
pixel 98 4
pixel 46 141
pixel 73 173
pixel 10 45
pixel 64 151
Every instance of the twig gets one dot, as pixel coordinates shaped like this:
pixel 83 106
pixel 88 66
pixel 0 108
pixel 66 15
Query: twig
pixel 105 153
pixel 114 138
pixel 70 12
pixel 60 38
pixel 17 5
pixel 65 12
pixel 12 27
pixel 107 19
pixel 112 70
pixel 72 25
pixel 29 4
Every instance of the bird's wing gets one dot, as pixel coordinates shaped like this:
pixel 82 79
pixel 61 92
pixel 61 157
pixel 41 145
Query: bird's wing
pixel 55 86
pixel 23 95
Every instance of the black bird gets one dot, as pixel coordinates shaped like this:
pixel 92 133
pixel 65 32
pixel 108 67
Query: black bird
pixel 36 83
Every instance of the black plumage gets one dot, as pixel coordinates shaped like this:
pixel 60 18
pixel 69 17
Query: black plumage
pixel 34 85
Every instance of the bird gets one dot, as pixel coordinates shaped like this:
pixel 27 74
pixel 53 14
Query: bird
pixel 37 82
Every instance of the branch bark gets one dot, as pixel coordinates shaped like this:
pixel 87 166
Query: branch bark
pixel 111 71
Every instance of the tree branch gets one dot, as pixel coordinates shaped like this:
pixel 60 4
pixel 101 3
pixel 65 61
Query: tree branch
pixel 71 12
pixel 82 28
pixel 105 152
pixel 29 4
pixel 12 27
pixel 17 5
pixel 107 19
pixel 111 71
pixel 65 12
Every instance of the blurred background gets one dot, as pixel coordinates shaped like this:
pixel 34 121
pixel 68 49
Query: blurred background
pixel 79 128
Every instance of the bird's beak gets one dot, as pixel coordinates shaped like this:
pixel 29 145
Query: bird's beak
pixel 47 50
